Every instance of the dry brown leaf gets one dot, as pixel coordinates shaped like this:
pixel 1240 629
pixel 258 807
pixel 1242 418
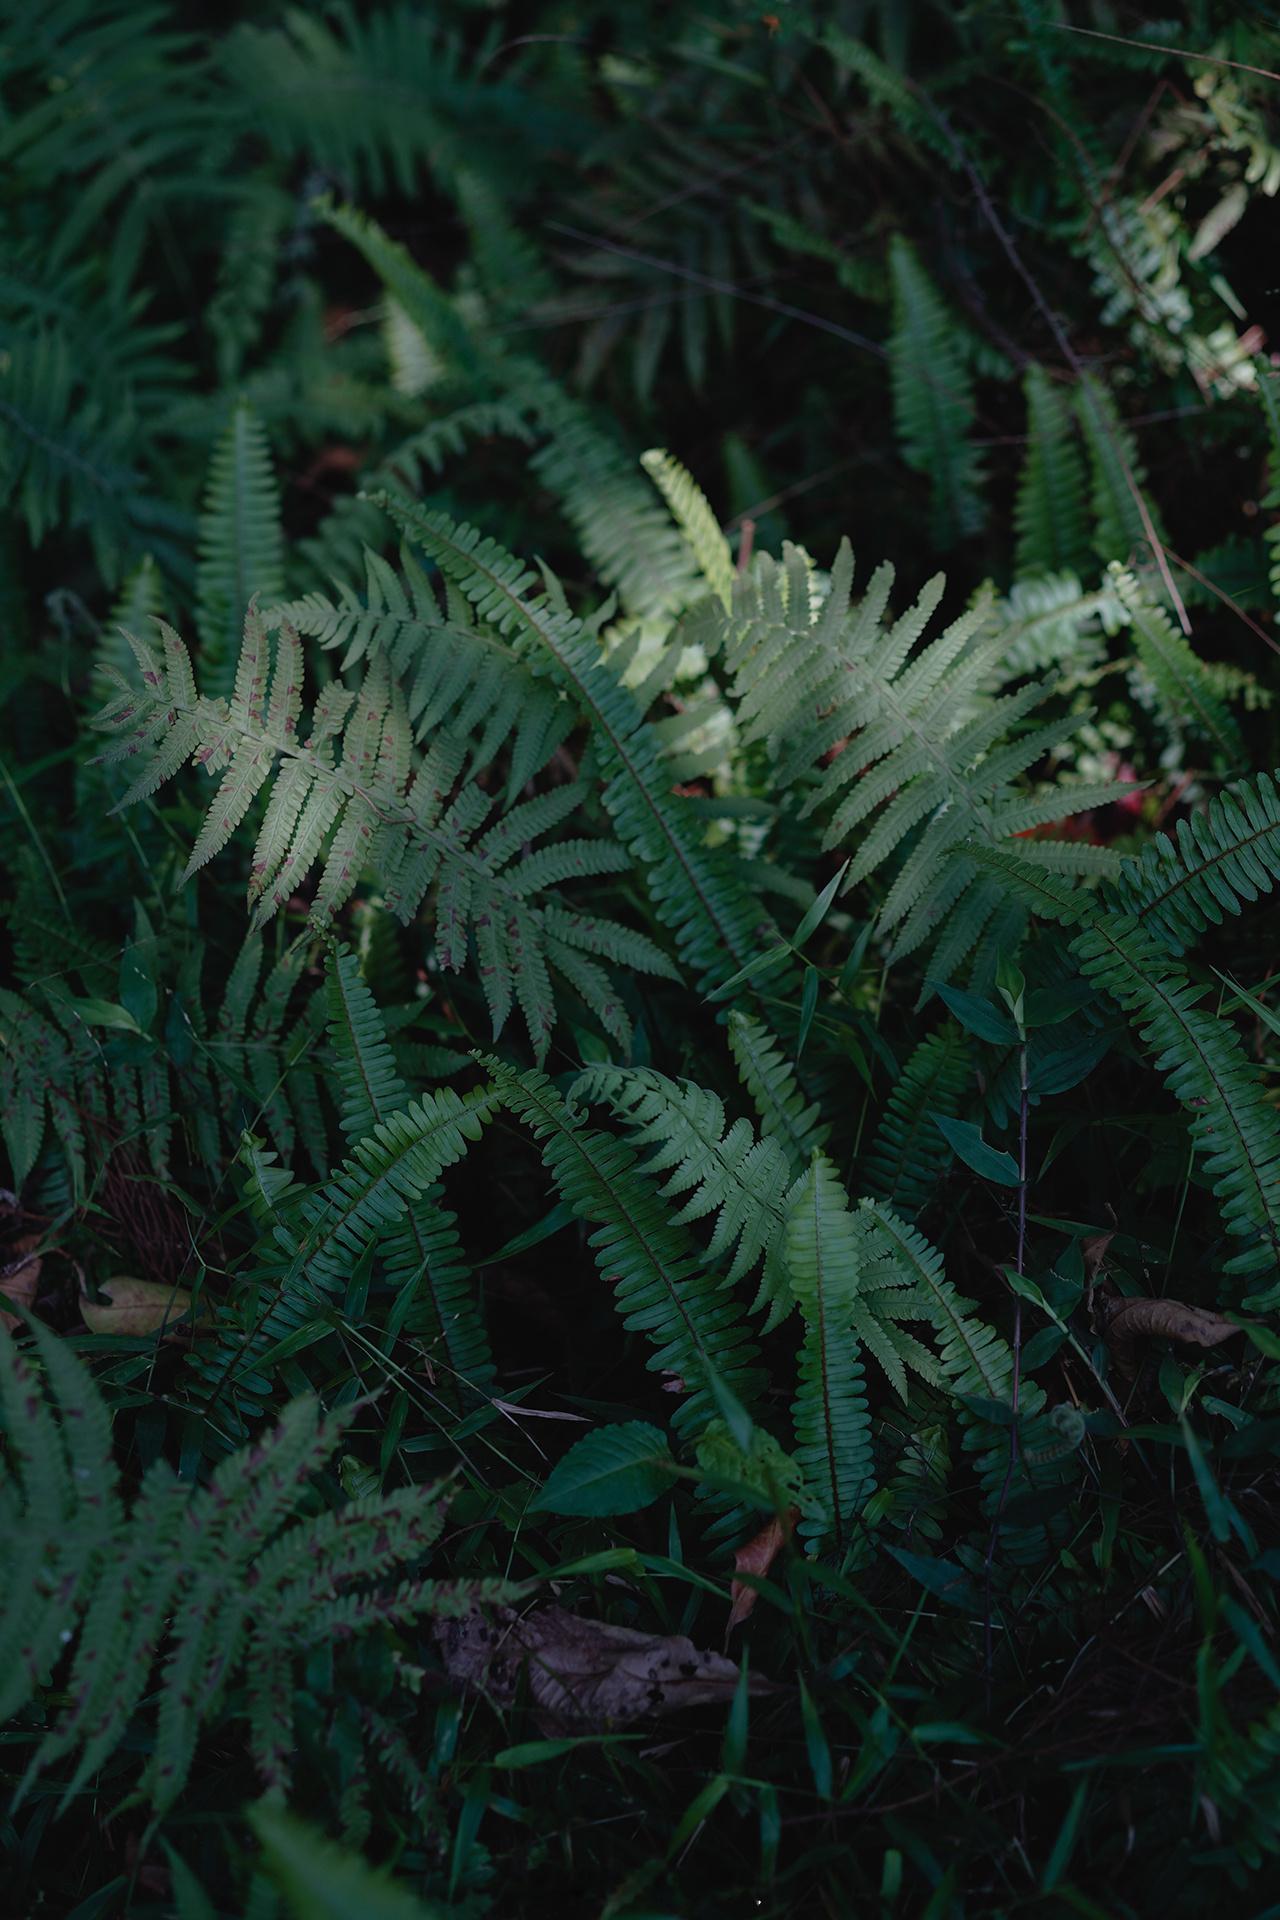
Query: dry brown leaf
pixel 138 1306
pixel 20 1276
pixel 583 1673
pixel 1134 1321
pixel 757 1556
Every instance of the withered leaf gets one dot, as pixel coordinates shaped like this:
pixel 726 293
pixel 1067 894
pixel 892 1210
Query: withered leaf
pixel 138 1306
pixel 583 1673
pixel 1134 1321
pixel 757 1556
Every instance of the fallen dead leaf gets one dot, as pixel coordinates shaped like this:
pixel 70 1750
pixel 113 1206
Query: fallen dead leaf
pixel 139 1306
pixel 20 1276
pixel 1134 1321
pixel 583 1673
pixel 757 1556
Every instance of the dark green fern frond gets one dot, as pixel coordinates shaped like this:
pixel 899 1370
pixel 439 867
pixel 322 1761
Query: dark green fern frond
pixel 933 400
pixel 832 1425
pixel 434 1294
pixel 1226 856
pixel 1049 514
pixel 192 1586
pixel 743 1181
pixel 658 1272
pixel 1119 481
pixel 1188 698
pixel 771 1082
pixel 241 544
pixel 908 1152
pixel 910 739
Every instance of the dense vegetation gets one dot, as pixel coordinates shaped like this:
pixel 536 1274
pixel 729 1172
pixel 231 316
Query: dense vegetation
pixel 677 1316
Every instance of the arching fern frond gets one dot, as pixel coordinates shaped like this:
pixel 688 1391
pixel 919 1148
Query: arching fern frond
pixel 769 1079
pixel 435 1300
pixel 1220 859
pixel 694 887
pixel 1188 698
pixel 657 1270
pixel 456 674
pixel 367 807
pixel 910 739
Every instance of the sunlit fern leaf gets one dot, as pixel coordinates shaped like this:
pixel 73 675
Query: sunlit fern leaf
pixel 1049 513
pixel 908 1152
pixel 832 1424
pixel 692 514
pixel 909 737
pixel 367 806
pixel 933 399
pixel 1219 859
pixel 456 676
pixel 1188 698
pixel 658 1272
pixel 694 887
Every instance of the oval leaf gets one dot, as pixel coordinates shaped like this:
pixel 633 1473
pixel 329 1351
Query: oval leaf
pixel 615 1470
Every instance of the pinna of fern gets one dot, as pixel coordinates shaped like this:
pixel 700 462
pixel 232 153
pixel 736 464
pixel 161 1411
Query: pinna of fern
pixel 357 795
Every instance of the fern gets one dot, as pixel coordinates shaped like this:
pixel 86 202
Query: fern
pixel 694 888
pixel 1235 1128
pixel 422 1254
pixel 832 1424
pixel 1049 513
pixel 241 545
pixel 371 808
pixel 456 674
pixel 1186 694
pixel 1123 516
pixel 658 1272
pixel 908 740
pixel 908 1152
pixel 1226 855
pixel 215 1584
pixel 933 400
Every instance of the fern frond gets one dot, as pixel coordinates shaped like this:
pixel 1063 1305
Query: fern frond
pixel 692 514
pixel 205 1583
pixel 1188 698
pixel 1119 480
pixel 694 888
pixel 658 1273
pixel 1226 855
pixel 908 1152
pixel 241 543
pixel 1049 513
pixel 455 676
pixel 832 1424
pixel 777 1098
pixel 933 399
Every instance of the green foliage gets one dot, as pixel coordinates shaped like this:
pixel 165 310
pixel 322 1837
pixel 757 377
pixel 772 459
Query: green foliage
pixel 743 1109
